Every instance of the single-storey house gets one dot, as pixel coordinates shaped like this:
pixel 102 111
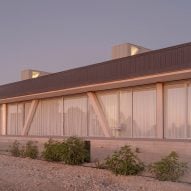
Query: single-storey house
pixel 143 100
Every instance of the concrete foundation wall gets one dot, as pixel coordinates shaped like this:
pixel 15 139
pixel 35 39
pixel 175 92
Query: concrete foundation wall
pixel 149 150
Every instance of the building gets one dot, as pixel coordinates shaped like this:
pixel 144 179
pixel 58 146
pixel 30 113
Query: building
pixel 143 100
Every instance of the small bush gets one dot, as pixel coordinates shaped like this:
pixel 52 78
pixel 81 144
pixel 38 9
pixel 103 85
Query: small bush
pixel 30 150
pixel 72 151
pixel 54 151
pixel 76 152
pixel 15 149
pixel 168 168
pixel 124 162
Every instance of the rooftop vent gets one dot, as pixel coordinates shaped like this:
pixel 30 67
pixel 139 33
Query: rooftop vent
pixel 29 74
pixel 127 49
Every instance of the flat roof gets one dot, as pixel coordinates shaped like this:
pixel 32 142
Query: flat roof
pixel 160 61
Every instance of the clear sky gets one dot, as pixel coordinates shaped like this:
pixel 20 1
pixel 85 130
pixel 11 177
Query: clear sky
pixel 56 35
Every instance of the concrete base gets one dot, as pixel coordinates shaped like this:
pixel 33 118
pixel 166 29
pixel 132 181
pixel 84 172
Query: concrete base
pixel 149 150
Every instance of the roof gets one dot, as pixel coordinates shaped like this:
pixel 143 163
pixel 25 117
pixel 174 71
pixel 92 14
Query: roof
pixel 170 59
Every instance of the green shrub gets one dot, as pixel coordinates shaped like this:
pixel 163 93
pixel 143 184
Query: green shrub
pixel 53 150
pixel 72 151
pixel 124 162
pixel 15 149
pixel 30 150
pixel 76 151
pixel 168 168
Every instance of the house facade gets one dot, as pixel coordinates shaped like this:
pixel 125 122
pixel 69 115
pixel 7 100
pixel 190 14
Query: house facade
pixel 143 100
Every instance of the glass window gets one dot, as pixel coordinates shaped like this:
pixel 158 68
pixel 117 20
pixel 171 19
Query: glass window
pixel 95 129
pixel 175 111
pixel 110 105
pixel 125 113
pixel 144 113
pixel 48 118
pixel 15 119
pixel 189 113
pixel 75 116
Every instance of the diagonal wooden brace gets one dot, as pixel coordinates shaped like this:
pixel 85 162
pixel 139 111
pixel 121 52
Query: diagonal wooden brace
pixel 30 116
pixel 100 114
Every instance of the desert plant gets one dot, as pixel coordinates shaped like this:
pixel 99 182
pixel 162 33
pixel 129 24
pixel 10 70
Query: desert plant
pixel 53 150
pixel 15 149
pixel 71 151
pixel 30 150
pixel 124 162
pixel 76 151
pixel 168 168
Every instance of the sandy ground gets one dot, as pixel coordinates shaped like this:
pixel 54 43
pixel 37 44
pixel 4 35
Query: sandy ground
pixel 27 174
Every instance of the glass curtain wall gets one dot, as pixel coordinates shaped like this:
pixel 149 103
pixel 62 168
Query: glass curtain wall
pixel 94 126
pixel 110 104
pixel 125 113
pixel 15 118
pixel 75 116
pixel 48 118
pixel 144 113
pixel 0 119
pixel 130 112
pixel 177 112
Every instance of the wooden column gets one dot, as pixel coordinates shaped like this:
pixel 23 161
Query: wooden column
pixel 160 111
pixel 100 114
pixel 4 119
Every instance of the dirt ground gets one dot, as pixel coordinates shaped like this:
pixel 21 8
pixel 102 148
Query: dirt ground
pixel 18 174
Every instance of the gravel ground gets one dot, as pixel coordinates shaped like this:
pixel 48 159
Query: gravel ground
pixel 18 174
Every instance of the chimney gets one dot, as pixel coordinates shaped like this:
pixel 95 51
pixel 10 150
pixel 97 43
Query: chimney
pixel 29 74
pixel 127 49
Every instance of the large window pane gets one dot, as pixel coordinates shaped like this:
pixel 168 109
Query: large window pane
pixel 48 118
pixel 15 118
pixel 175 111
pixel 144 113
pixel 110 105
pixel 1 119
pixel 94 126
pixel 189 112
pixel 126 113
pixel 75 116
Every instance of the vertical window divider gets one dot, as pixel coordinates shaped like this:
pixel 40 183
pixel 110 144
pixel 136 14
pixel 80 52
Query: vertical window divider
pixel 87 116
pixel 63 115
pixel 118 112
pixel 186 116
pixel 132 114
pixel 16 130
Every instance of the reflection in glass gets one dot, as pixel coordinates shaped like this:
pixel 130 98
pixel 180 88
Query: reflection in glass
pixel 126 113
pixel 144 113
pixel 175 111
pixel 110 105
pixel 75 116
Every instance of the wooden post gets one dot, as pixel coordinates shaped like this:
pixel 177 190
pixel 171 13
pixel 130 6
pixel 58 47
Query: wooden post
pixel 4 119
pixel 30 116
